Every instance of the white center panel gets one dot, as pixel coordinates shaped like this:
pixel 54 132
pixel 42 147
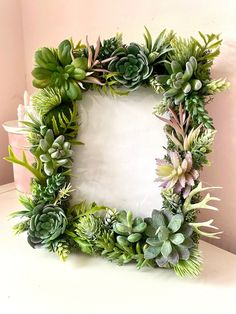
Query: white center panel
pixel 116 166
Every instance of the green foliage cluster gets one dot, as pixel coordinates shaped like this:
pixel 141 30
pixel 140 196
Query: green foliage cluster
pixel 201 147
pixel 48 192
pixel 177 68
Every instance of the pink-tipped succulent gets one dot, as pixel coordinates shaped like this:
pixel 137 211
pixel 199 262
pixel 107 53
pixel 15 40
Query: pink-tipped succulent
pixel 94 65
pixel 180 134
pixel 177 174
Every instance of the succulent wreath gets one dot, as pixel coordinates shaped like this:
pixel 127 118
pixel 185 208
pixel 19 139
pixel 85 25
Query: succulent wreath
pixel 177 68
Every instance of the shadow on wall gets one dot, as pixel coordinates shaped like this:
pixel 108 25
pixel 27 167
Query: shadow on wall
pixel 223 171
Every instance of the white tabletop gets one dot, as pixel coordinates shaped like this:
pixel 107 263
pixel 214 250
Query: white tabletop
pixel 35 281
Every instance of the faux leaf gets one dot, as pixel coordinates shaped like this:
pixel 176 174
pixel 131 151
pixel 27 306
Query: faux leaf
pixel 166 248
pixel 151 252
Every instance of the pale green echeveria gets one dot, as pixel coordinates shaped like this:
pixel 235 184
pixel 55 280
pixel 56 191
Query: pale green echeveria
pixel 180 82
pixel 169 238
pixel 129 230
pixel 55 153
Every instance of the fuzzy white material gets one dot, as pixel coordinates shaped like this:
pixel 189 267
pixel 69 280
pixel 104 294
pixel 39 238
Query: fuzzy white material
pixel 116 166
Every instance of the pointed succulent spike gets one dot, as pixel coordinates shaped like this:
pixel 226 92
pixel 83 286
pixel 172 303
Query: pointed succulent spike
pixel 148 39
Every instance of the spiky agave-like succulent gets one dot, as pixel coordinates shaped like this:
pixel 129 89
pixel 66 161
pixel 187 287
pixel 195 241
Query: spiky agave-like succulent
pixel 88 227
pixel 55 152
pixel 180 82
pixel 177 174
pixel 46 99
pixel 179 132
pixel 131 65
pixel 47 223
pixel 129 230
pixel 169 238
pixel 157 50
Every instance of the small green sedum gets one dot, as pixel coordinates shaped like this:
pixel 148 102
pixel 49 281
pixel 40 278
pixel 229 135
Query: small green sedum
pixel 128 230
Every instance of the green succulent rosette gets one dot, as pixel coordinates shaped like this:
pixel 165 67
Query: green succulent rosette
pixel 54 69
pixel 131 65
pixel 180 82
pixel 47 223
pixel 129 230
pixel 56 152
pixel 169 238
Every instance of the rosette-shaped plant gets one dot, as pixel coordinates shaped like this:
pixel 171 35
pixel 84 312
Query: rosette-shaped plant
pixel 168 238
pixel 46 224
pixel 177 174
pixel 131 66
pixel 54 68
pixel 129 230
pixel 88 227
pixel 180 82
pixel 55 152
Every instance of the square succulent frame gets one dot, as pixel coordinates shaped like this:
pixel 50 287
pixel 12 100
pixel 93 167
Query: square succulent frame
pixel 177 68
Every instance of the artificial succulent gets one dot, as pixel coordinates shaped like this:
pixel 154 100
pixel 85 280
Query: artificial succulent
pixel 180 82
pixel 169 238
pixel 131 65
pixel 88 227
pixel 171 200
pixel 108 46
pixel 110 217
pixel 156 51
pixel 54 68
pixel 129 230
pixel 195 106
pixel 55 152
pixel 47 223
pixel 86 230
pixel 48 192
pixel 177 173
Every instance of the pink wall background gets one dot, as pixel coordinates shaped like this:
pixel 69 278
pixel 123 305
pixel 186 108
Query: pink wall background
pixel 12 73
pixel 48 22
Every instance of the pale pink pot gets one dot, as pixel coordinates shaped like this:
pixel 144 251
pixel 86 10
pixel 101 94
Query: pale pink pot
pixel 19 143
